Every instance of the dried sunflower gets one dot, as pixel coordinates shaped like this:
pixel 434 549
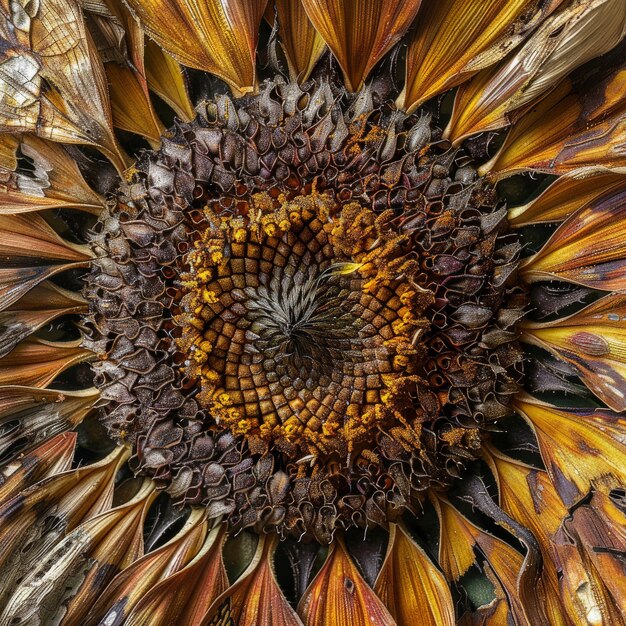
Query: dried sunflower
pixel 312 312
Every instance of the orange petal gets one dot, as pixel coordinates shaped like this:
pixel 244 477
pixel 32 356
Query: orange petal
pixel 564 196
pixel 594 342
pixel 185 597
pixel 360 32
pixel 30 416
pixel 573 128
pixel 567 39
pixel 589 248
pixel 52 457
pixel 411 586
pixel 302 44
pixel 217 36
pixel 581 448
pixel 55 182
pixel 454 39
pixel 36 363
pixel 255 599
pixel 338 595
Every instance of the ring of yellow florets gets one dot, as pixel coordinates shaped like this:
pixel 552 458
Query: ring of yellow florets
pixel 312 398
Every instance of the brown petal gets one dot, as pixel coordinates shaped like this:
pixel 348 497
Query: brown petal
pixel 589 248
pixel 55 182
pixel 338 595
pixel 581 448
pixel 52 457
pixel 360 32
pixel 255 599
pixel 185 597
pixel 594 342
pixel 411 586
pixel 79 567
pixel 454 39
pixel 302 44
pixel 30 416
pixel 36 363
pixel 217 36
pixel 566 195
pixel 567 39
pixel 581 126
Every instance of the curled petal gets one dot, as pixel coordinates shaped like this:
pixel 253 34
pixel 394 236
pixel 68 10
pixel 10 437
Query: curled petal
pixel 581 448
pixel 589 248
pixel 411 586
pixel 359 32
pixel 217 36
pixel 567 39
pixel 594 342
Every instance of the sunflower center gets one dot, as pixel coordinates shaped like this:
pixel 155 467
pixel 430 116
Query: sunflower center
pixel 302 322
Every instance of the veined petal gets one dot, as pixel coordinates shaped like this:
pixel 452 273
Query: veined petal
pixel 589 248
pixel 52 457
pixel 302 44
pixel 566 195
pixel 55 181
pixel 185 597
pixel 581 448
pixel 454 39
pixel 594 342
pixel 30 416
pixel 573 128
pixel 338 595
pixel 80 566
pixel 411 586
pixel 255 599
pixel 359 32
pixel 217 36
pixel 567 39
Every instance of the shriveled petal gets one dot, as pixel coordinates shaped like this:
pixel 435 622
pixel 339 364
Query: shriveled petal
pixel 129 586
pixel 255 599
pixel 217 36
pixel 411 586
pixel 185 597
pixel 79 567
pixel 302 44
pixel 30 416
pixel 564 196
pixel 566 40
pixel 577 126
pixel 52 82
pixel 338 595
pixel 589 248
pixel 36 363
pixel 594 342
pixel 50 458
pixel 454 39
pixel 581 448
pixel 54 182
pixel 360 32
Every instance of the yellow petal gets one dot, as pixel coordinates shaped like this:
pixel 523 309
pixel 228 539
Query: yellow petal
pixel 454 39
pixel 217 36
pixel 255 599
pixel 594 342
pixel 581 448
pixel 55 182
pixel 338 595
pixel 411 586
pixel 567 39
pixel 360 32
pixel 589 248
pixel 573 128
pixel 564 196
pixel 302 44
